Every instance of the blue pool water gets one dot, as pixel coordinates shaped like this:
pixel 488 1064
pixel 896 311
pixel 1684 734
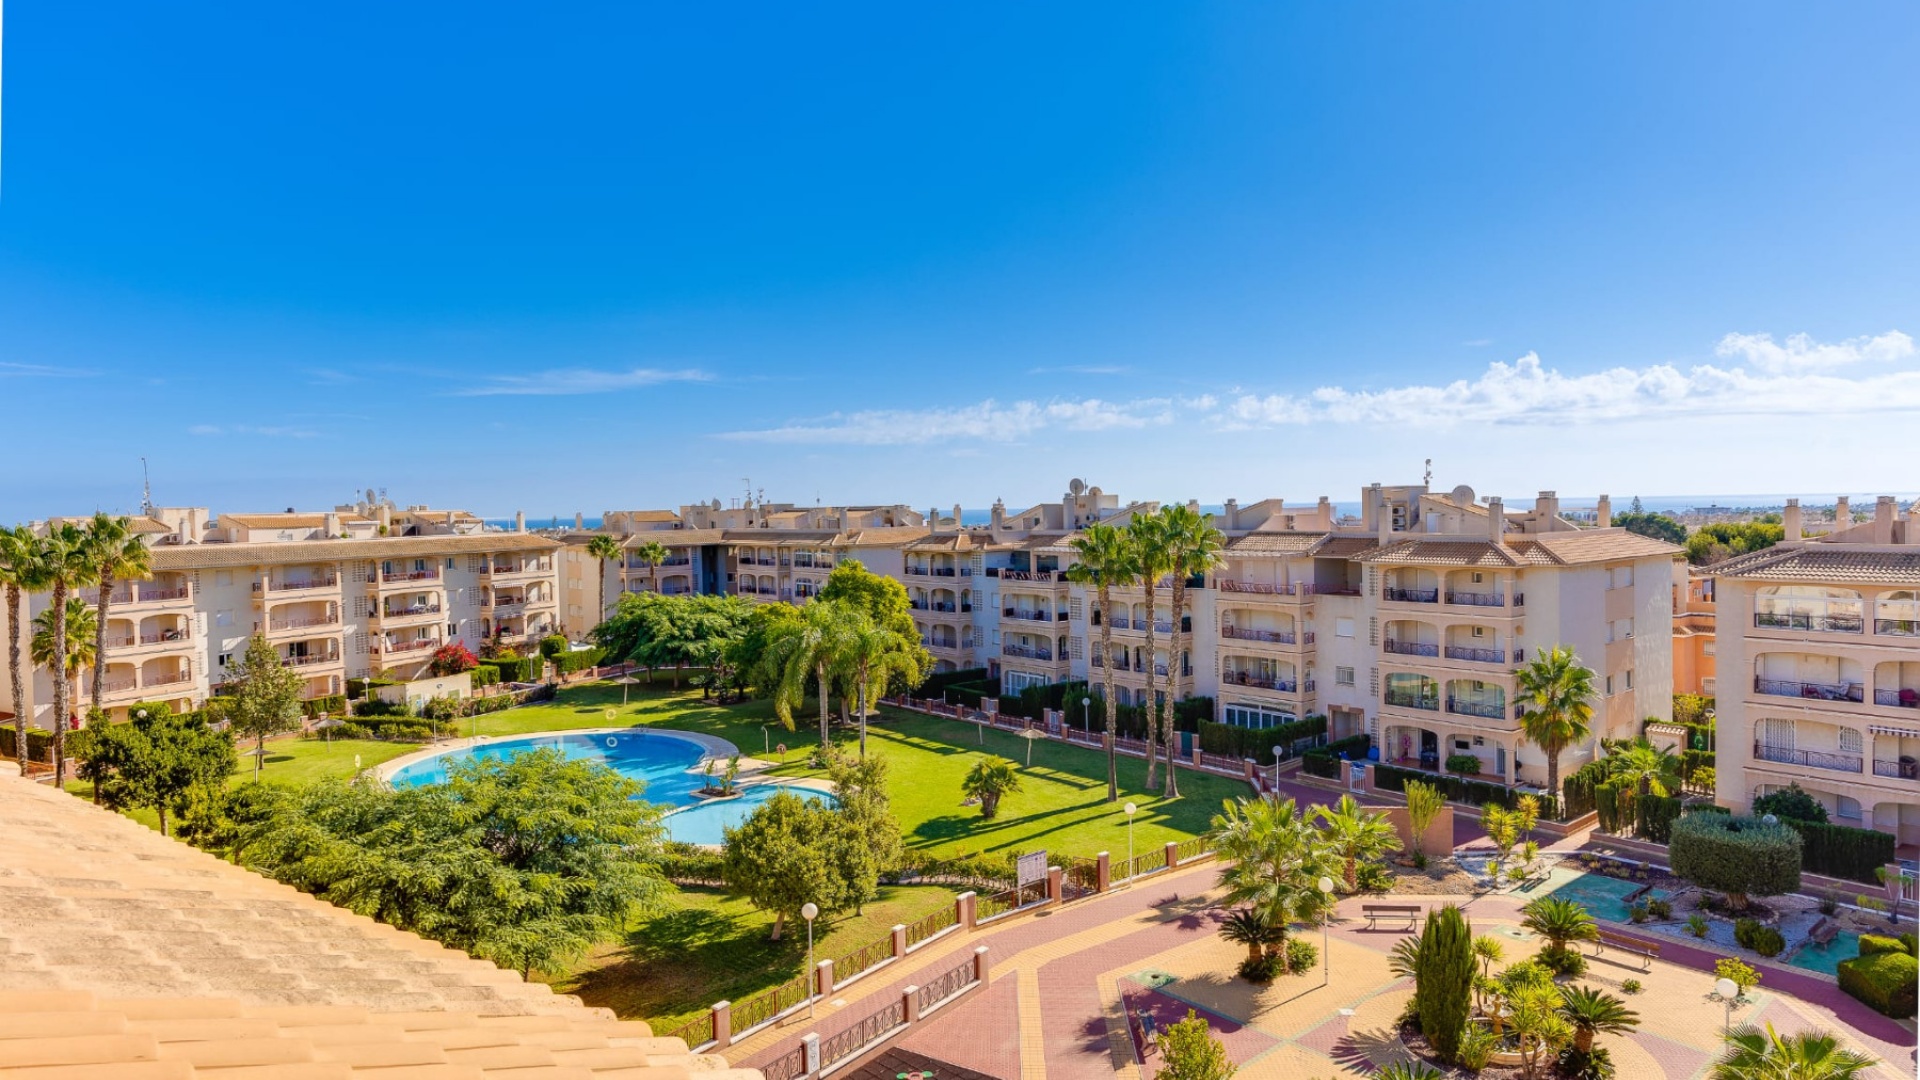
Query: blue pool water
pixel 660 760
pixel 1604 897
pixel 1826 958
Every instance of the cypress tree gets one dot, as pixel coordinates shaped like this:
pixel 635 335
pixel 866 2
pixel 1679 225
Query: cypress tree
pixel 1444 982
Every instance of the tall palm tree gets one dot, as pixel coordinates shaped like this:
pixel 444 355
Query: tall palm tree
pixel 1595 1012
pixel 23 572
pixel 1103 557
pixel 1274 859
pixel 118 554
pixel 1652 769
pixel 604 549
pixel 1556 696
pixel 67 567
pixel 873 656
pixel 81 642
pixel 1756 1054
pixel 1193 549
pixel 653 553
pixel 1151 560
pixel 1356 834
pixel 811 649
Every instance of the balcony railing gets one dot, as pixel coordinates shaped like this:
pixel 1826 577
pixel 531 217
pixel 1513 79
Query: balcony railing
pixel 429 574
pixel 312 660
pixel 280 625
pixel 1811 691
pixel 1812 759
pixel 1476 599
pixel 1026 652
pixel 1491 710
pixel 1832 624
pixel 1478 656
pixel 417 609
pixel 1278 637
pixel 1411 648
pixel 1897 627
pixel 1903 698
pixel 1413 596
pixel 1257 681
pixel 1033 575
pixel 326 582
pixel 391 647
pixel 1412 701
pixel 1028 614
pixel 1898 770
pixel 1141 624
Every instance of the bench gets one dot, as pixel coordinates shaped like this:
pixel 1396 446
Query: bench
pixel 1140 1025
pixel 1647 951
pixel 1409 912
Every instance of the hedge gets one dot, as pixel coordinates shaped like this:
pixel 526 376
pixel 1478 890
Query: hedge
pixel 1735 854
pixel 486 675
pixel 1576 789
pixel 569 662
pixel 1324 761
pixel 970 694
pixel 372 707
pixel 1461 789
pixel 1258 743
pixel 331 704
pixel 1885 981
pixel 1842 851
pixel 933 684
pixel 1692 760
pixel 1653 817
pixel 39 744
pixel 1463 764
pixel 1878 943
pixel 519 669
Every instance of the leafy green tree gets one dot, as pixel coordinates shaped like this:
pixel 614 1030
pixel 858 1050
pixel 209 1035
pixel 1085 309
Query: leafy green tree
pixel 785 856
pixel 1792 802
pixel 1539 1028
pixel 118 554
pixel 991 779
pixel 1444 984
pixel 1556 701
pixel 1153 560
pixel 1739 856
pixel 1657 526
pixel 604 549
pixel 876 659
pixel 752 653
pixel 1188 1051
pixel 1103 557
pixel 675 632
pixel 812 648
pixel 1764 1054
pixel 1356 835
pixel 1652 770
pixel 266 698
pixel 528 861
pixel 1194 549
pixel 860 785
pixel 220 818
pixel 883 599
pixel 1716 543
pixel 159 762
pixel 1595 1012
pixel 1272 861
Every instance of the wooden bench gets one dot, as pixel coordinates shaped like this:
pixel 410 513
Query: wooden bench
pixel 1409 912
pixel 1140 1025
pixel 1647 951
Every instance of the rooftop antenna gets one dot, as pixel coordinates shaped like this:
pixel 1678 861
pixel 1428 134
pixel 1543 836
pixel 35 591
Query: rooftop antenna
pixel 748 481
pixel 1427 480
pixel 146 489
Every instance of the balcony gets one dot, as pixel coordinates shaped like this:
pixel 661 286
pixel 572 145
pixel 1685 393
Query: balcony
pixel 1476 599
pixel 497 571
pixel 149 593
pixel 1478 656
pixel 1851 692
pixel 308 584
pixel 1026 652
pixel 315 660
pixel 392 648
pixel 1826 624
pixel 1257 681
pixel 414 611
pixel 1411 701
pixel 1904 698
pixel 280 627
pixel 401 576
pixel 1897 627
pixel 1812 759
pixel 1044 576
pixel 1276 637
pixel 1905 769
pixel 1027 614
pixel 1410 648
pixel 1489 710
pixel 1411 596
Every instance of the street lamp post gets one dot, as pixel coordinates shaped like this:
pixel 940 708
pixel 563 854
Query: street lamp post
pixel 1276 772
pixel 1131 810
pixel 1326 915
pixel 1086 715
pixel 1729 992
pixel 810 911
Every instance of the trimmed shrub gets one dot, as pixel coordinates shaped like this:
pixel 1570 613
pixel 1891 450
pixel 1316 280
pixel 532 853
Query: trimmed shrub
pixel 1606 804
pixel 554 645
pixel 516 669
pixel 1258 744
pixel 331 704
pixel 1871 944
pixel 1885 981
pixel 1739 856
pixel 1324 761
pixel 39 744
pixel 1692 761
pixel 1653 817
pixel 1463 764
pixel 486 675
pixel 1301 955
pixel 374 707
pixel 1444 980
pixel 935 683
pixel 1790 802
pixel 1562 961
pixel 1842 851
pixel 1761 938
pixel 569 662
pixel 1576 790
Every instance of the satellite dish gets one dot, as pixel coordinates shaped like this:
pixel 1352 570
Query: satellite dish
pixel 1462 496
pixel 1077 486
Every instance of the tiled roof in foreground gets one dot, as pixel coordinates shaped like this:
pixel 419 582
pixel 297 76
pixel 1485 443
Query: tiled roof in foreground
pixel 125 954
pixel 1819 563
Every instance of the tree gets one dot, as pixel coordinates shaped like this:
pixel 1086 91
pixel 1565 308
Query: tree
pixel 118 554
pixel 527 861
pixel 875 658
pixel 1356 835
pixel 1649 768
pixel 1272 861
pixel 751 654
pixel 452 659
pixel 1763 1054
pixel 809 649
pixel 1739 856
pixel 1595 1012
pixel 1424 803
pixel 1245 926
pixel 604 549
pixel 653 553
pixel 1656 526
pixel 81 638
pixel 22 572
pixel 989 780
pixel 1152 559
pixel 65 566
pixel 1556 700
pixel 1716 543
pixel 1636 507
pixel 658 631
pixel 1539 1028
pixel 1445 980
pixel 783 857
pixel 1193 550
pixel 160 761
pixel 1488 950
pixel 883 599
pixel 1559 921
pixel 1103 557
pixel 1792 802
pixel 860 785
pixel 266 698
pixel 1188 1051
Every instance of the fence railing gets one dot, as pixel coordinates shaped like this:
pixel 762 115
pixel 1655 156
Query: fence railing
pixel 791 1065
pixel 872 1028
pixel 1817 691
pixel 946 984
pixel 764 1008
pixel 1812 759
pixel 1833 624
pixel 925 929
pixel 857 963
pixel 695 1032
pixel 1187 850
pixel 1142 866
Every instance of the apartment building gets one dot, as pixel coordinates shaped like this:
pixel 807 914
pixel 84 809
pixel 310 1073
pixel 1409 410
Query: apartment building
pixel 342 594
pixel 1821 645
pixel 1695 648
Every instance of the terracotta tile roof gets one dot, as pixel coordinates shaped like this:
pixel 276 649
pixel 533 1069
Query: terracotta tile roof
pixel 650 515
pixel 677 538
pixel 140 524
pixel 1601 545
pixel 1545 549
pixel 882 536
pixel 144 957
pixel 275 521
pixel 1274 543
pixel 1820 563
pixel 1444 551
pixel 950 541
pixel 1335 546
pixel 208 556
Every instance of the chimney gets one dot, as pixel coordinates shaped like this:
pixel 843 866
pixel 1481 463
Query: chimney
pixel 332 526
pixel 1324 512
pixel 1370 508
pixel 1382 517
pixel 386 520
pixel 1193 506
pixel 999 514
pixel 956 517
pixel 1603 517
pixel 579 521
pixel 1547 505
pixel 1230 514
pixel 519 521
pixel 1496 519
pixel 1884 509
pixel 1842 514
pixel 1913 524
pixel 1790 521
pixel 933 519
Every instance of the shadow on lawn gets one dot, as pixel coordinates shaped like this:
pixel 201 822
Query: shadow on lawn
pixel 681 962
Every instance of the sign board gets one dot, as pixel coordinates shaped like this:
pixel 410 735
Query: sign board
pixel 1032 869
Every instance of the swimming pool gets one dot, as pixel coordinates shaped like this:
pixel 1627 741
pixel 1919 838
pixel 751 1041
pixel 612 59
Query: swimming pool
pixel 666 762
pixel 1826 958
pixel 1604 897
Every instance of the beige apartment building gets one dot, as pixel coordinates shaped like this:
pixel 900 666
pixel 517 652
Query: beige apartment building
pixel 1819 681
pixel 347 593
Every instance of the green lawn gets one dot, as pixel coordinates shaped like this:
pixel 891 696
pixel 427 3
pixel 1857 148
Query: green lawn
pixel 714 948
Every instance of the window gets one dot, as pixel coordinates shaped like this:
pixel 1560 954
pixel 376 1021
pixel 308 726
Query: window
pixel 996 637
pixel 1257 717
pixel 453 630
pixel 1846 809
pixel 1343 628
pixel 1707 648
pixel 1707 686
pixel 1343 676
pixel 1629 678
pixel 1620 577
pixel 449 562
pixel 1609 690
pixel 225 660
pixel 1849 741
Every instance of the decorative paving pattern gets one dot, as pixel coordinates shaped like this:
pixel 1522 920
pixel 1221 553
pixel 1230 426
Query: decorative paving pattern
pixel 1676 1061
pixel 983 1037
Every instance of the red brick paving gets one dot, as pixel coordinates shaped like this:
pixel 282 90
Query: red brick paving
pixel 981 1033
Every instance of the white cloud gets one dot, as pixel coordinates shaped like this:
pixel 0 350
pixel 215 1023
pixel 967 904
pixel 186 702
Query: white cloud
pixel 991 420
pixel 11 370
pixel 579 381
pixel 1802 353
pixel 253 430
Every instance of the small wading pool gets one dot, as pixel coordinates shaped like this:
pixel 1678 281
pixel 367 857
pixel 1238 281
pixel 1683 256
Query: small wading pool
pixel 659 759
pixel 1604 897
pixel 1826 958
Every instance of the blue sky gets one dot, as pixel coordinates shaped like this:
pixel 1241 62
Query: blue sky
pixel 571 258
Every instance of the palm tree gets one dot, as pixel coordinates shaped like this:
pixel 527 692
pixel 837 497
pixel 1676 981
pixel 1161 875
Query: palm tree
pixel 653 553
pixel 1652 769
pixel 1424 803
pixel 1556 696
pixel 1756 1054
pixel 1151 560
pixel 81 642
pixel 1407 1070
pixel 604 549
pixel 22 571
pixel 67 567
pixel 1193 549
pixel 989 779
pixel 1274 859
pixel 1487 950
pixel 118 554
pixel 810 650
pixel 873 657
pixel 1356 834
pixel 1104 558
pixel 1595 1012
pixel 1244 926
pixel 1559 921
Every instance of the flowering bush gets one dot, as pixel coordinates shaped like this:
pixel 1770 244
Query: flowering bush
pixel 452 659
